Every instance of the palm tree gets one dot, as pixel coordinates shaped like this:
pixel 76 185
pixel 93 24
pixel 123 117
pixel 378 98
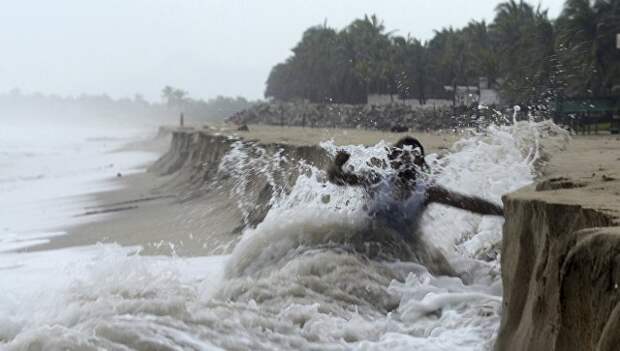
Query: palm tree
pixel 280 84
pixel 523 38
pixel 419 70
pixel 480 52
pixel 368 49
pixel 586 38
pixel 179 97
pixel 167 94
pixel 316 58
pixel 449 60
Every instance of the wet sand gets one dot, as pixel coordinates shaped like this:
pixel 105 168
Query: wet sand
pixel 140 214
pixel 150 213
pixel 587 173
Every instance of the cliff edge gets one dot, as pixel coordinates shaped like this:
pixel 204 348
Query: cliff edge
pixel 561 241
pixel 561 254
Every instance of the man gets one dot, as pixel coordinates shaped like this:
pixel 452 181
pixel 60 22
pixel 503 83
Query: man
pixel 407 185
pixel 399 198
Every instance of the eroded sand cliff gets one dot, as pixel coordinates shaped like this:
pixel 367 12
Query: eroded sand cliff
pixel 561 253
pixel 561 240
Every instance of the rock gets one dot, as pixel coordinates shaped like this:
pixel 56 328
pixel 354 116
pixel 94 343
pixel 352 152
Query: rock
pixel 607 178
pixel 325 198
pixel 383 117
pixel 243 128
pixel 399 129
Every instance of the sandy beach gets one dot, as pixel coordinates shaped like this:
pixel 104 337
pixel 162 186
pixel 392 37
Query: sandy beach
pixel 187 220
pixel 149 213
pixel 588 173
pixel 559 252
pixel 432 141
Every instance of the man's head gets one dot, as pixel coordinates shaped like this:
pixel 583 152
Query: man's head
pixel 406 157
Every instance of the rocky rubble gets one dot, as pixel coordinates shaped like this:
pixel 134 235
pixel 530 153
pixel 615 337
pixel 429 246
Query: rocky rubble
pixel 382 117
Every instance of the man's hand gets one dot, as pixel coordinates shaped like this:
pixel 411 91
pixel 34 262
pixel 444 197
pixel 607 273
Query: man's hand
pixel 336 175
pixel 341 158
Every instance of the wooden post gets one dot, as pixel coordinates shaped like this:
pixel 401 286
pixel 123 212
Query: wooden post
pixel 597 120
pixel 181 120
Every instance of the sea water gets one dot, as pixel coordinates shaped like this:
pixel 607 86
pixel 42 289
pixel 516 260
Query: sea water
pixel 49 173
pixel 290 283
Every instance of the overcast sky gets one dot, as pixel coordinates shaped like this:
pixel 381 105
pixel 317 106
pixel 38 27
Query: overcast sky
pixel 208 47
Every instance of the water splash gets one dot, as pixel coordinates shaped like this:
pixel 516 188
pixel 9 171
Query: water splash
pixel 432 311
pixel 247 164
pixel 297 280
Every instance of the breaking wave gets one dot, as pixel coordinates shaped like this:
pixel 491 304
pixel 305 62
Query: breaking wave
pixel 307 276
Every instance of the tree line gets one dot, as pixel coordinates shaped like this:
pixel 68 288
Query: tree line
pixel 525 54
pixel 174 101
pixel 217 108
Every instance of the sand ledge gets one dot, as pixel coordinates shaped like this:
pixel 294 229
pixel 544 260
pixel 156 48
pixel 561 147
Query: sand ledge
pixel 560 251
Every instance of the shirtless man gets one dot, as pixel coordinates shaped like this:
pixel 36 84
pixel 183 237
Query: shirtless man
pixel 399 198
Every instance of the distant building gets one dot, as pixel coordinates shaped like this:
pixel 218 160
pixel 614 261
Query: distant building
pixel 488 96
pixel 465 95
pixel 482 94
pixel 385 99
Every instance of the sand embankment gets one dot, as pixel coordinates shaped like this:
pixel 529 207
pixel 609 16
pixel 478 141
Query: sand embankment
pixel 265 134
pixel 561 245
pixel 185 205
pixel 561 253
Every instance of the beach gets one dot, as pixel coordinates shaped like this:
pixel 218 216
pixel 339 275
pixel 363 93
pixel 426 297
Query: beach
pixel 144 211
pixel 178 230
pixel 158 219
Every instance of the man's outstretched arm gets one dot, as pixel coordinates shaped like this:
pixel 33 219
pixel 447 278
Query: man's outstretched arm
pixel 441 195
pixel 338 176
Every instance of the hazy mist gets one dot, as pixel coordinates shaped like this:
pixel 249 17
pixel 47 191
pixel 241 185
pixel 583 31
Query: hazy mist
pixel 208 48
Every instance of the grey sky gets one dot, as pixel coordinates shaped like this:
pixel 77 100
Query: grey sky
pixel 208 47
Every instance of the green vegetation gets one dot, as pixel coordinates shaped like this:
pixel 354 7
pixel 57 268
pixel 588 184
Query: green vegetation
pixel 217 108
pixel 523 53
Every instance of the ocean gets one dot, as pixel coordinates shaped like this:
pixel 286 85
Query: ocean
pixel 292 282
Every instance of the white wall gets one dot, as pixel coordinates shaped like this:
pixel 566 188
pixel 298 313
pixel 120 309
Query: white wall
pixel 378 99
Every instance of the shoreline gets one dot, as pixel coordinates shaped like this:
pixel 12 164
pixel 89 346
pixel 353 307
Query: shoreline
pixel 550 224
pixel 148 211
pixel 106 205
